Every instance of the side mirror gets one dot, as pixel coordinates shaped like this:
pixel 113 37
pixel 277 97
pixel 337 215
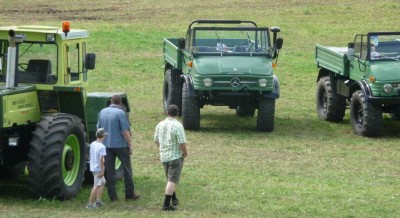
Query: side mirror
pixel 90 61
pixel 181 43
pixel 350 54
pixel 279 43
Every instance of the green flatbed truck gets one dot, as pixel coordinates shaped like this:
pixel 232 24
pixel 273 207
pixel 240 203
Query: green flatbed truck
pixel 366 74
pixel 222 63
pixel 47 118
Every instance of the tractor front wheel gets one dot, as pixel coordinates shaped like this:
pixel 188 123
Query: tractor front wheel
pixel 57 157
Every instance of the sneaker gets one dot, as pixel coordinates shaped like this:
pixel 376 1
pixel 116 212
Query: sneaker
pixel 175 202
pixel 169 208
pixel 133 198
pixel 91 206
pixel 100 204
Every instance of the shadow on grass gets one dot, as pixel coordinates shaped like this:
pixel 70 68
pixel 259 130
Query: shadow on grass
pixel 16 188
pixel 307 125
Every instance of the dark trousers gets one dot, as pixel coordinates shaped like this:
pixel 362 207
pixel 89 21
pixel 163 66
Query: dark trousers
pixel 124 157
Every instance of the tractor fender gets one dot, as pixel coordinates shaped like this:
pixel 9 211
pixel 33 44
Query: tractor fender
pixel 189 85
pixel 276 92
pixel 363 86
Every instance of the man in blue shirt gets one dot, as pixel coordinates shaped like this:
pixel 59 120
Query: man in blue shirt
pixel 118 144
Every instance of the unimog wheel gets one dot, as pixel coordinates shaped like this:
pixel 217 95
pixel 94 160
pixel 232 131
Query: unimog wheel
pixel 245 111
pixel 172 91
pixel 365 118
pixel 57 157
pixel 266 115
pixel 190 110
pixel 330 106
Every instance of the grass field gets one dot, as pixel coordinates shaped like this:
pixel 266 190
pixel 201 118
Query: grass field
pixel 304 168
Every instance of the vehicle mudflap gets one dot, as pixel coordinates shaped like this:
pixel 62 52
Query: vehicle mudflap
pixel 188 82
pixel 276 92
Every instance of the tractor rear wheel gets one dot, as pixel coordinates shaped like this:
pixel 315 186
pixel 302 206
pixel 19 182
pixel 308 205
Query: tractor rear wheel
pixel 57 157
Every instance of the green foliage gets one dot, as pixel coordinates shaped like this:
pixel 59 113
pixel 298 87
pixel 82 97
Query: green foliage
pixel 304 168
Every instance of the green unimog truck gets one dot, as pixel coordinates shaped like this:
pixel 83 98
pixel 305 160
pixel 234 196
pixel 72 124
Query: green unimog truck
pixel 222 63
pixel 47 118
pixel 367 74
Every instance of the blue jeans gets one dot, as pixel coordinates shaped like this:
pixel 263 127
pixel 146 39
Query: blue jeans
pixel 123 155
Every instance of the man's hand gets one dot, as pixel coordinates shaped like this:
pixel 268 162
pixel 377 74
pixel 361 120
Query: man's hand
pixel 130 150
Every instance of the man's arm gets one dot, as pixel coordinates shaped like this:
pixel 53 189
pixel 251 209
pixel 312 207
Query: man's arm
pixel 127 137
pixel 184 150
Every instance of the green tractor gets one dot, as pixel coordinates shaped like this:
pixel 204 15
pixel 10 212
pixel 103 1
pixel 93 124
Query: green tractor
pixel 47 118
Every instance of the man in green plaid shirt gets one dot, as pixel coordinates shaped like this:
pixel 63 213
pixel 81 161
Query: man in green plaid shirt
pixel 171 141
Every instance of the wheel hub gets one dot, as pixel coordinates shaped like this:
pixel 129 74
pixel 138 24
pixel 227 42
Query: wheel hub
pixel 69 160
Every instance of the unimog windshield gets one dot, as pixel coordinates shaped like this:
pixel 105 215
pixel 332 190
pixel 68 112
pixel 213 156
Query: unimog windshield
pixel 37 62
pixel 240 41
pixel 384 46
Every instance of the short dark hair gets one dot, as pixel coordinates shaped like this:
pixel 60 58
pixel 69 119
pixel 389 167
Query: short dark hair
pixel 173 110
pixel 116 99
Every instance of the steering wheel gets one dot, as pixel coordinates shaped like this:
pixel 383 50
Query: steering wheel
pixel 23 66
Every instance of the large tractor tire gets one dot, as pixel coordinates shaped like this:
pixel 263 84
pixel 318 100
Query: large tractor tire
pixel 330 106
pixel 172 91
pixel 57 157
pixel 245 111
pixel 365 118
pixel 266 115
pixel 190 110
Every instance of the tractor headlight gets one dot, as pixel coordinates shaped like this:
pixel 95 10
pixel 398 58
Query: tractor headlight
pixel 13 141
pixel 262 82
pixel 208 82
pixel 388 88
pixel 50 37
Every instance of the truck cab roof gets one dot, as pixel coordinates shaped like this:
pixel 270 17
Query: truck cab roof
pixel 72 34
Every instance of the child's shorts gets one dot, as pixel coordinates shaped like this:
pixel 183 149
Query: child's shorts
pixel 98 181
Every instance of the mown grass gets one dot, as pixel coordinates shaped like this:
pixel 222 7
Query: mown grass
pixel 304 168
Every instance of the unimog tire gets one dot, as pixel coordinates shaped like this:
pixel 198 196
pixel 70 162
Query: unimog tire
pixel 266 115
pixel 190 110
pixel 172 91
pixel 366 119
pixel 245 111
pixel 57 157
pixel 330 106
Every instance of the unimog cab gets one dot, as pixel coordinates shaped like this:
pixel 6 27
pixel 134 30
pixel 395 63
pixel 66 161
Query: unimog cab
pixel 223 63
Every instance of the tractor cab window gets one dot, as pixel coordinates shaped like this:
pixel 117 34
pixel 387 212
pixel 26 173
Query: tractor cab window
pixel 3 52
pixel 37 63
pixel 74 61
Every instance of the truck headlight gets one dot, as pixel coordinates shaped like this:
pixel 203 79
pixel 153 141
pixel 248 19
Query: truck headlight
pixel 208 82
pixel 388 88
pixel 262 82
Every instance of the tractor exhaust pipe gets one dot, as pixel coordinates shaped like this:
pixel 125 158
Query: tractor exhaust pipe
pixel 12 57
